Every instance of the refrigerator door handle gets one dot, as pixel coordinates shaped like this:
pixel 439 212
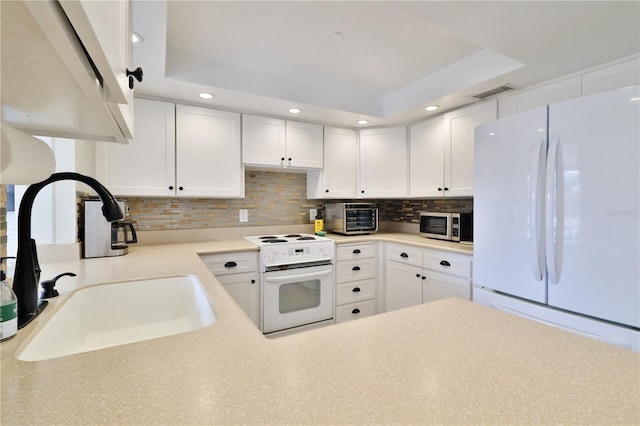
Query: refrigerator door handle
pixel 536 208
pixel 554 208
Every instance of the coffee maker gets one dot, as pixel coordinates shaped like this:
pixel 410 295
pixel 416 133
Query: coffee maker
pixel 102 238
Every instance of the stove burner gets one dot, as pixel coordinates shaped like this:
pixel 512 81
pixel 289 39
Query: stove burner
pixel 293 236
pixel 305 238
pixel 274 241
pixel 268 237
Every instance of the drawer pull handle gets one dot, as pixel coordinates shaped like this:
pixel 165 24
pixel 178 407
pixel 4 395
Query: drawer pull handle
pixel 445 263
pixel 403 254
pixel 356 289
pixel 355 268
pixel 355 311
pixel 357 251
pixel 230 264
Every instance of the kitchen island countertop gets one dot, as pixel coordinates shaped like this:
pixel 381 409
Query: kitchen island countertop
pixel 446 362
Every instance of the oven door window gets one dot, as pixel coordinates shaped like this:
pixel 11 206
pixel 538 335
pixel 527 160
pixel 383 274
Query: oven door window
pixel 299 296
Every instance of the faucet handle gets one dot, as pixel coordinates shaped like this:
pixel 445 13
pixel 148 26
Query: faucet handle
pixel 48 289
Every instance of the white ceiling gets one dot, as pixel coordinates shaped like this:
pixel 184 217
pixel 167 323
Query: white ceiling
pixel 383 61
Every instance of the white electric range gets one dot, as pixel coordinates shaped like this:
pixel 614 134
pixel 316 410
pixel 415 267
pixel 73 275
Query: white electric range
pixel 296 280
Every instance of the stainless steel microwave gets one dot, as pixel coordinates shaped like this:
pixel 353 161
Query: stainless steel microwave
pixel 351 218
pixel 447 226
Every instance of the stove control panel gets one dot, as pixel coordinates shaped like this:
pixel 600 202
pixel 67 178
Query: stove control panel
pixel 296 253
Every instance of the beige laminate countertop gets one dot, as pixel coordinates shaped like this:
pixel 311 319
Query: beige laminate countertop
pixel 447 362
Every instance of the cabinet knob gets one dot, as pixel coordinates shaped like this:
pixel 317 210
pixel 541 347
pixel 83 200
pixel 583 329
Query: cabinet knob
pixel 417 275
pixel 137 73
pixel 282 159
pixel 403 254
pixel 171 188
pixel 362 192
pixel 439 189
pixel 446 189
pixel 355 268
pixel 326 190
pixel 231 264
pixel 445 263
pixel 253 281
pixel 289 159
pixel 180 188
pixel 355 311
pixel 356 290
pixel 356 251
pixel 424 278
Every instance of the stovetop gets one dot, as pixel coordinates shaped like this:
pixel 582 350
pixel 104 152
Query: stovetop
pixel 278 239
pixel 294 250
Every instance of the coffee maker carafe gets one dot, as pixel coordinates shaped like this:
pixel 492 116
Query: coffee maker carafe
pixel 102 238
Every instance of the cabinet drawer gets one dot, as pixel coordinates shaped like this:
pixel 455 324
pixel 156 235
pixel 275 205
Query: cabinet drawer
pixel 355 270
pixel 354 311
pixel 355 291
pixel 405 254
pixel 355 251
pixel 231 263
pixel 448 263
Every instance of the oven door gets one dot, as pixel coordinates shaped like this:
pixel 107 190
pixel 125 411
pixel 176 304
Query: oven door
pixel 295 297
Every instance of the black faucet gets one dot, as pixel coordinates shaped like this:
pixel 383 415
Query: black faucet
pixel 27 269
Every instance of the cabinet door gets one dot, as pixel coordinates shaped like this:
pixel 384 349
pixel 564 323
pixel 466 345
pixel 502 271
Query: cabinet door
pixel 245 291
pixel 403 286
pixel 459 129
pixel 383 163
pixel 263 141
pixel 208 153
pixel 438 286
pixel 105 30
pixel 146 166
pixel 304 145
pixel 338 178
pixel 426 168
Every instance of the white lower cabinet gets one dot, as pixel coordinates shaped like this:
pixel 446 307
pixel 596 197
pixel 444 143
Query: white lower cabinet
pixel 238 273
pixel 414 275
pixel 355 281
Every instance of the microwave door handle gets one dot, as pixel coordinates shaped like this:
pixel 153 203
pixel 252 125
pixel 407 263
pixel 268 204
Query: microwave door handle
pixel 298 276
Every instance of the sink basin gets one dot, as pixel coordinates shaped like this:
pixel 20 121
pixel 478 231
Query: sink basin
pixel 116 314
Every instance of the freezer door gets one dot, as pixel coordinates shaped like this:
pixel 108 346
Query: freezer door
pixel 593 191
pixel 508 237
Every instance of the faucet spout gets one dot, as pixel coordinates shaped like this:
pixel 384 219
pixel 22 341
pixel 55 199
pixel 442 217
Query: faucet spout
pixel 27 269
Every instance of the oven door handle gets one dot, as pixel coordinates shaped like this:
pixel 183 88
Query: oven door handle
pixel 297 277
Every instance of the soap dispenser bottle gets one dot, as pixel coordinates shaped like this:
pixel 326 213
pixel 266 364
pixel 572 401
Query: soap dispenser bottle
pixel 8 308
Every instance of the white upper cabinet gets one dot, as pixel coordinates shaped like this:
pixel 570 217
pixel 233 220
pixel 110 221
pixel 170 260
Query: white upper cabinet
pixel 70 84
pixel 105 30
pixel 459 128
pixel 272 142
pixel 426 169
pixel 383 163
pixel 339 177
pixel 145 167
pixel 178 151
pixel 208 153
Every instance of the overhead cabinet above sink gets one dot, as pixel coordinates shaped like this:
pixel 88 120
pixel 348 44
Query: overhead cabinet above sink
pixel 64 68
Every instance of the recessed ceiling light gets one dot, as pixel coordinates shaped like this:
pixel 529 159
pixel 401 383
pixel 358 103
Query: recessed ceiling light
pixel 491 134
pixel 206 95
pixel 431 108
pixel 295 110
pixel 136 38
pixel 363 122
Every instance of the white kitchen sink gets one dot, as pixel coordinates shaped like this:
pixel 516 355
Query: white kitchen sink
pixel 116 314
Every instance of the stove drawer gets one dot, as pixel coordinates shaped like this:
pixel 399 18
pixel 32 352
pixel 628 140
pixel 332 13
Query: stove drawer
pixel 231 263
pixel 355 291
pixel 355 270
pixel 354 311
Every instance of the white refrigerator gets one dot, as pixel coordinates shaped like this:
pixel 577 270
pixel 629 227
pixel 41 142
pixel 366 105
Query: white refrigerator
pixel 556 215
